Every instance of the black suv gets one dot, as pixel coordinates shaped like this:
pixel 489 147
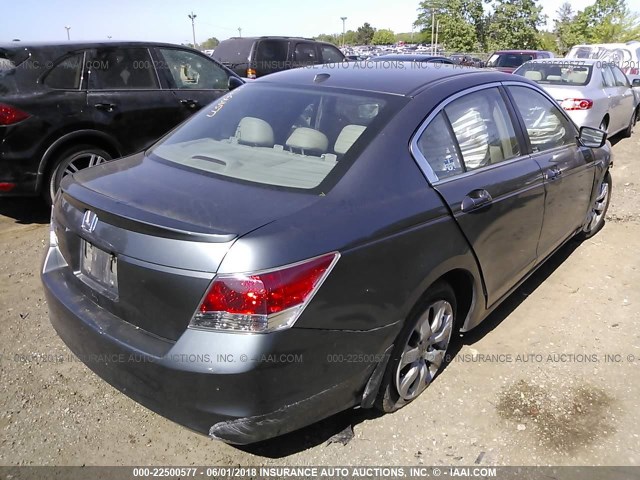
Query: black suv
pixel 64 107
pixel 253 57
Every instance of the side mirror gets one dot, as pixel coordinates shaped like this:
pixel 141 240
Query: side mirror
pixel 234 82
pixel 636 82
pixel 592 137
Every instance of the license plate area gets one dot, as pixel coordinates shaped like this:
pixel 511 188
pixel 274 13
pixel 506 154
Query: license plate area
pixel 99 269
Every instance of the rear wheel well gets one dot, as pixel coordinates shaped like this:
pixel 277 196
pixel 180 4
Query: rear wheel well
pixel 88 139
pixel 461 282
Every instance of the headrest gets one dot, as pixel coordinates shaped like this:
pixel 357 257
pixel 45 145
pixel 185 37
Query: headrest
pixel 254 131
pixel 308 139
pixel 347 138
pixel 533 75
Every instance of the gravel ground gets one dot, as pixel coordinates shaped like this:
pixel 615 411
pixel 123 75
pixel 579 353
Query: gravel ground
pixel 551 378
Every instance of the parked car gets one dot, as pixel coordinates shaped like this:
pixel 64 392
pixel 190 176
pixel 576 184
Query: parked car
pixel 594 93
pixel 68 106
pixel 508 60
pixel 413 58
pixel 253 57
pixel 219 278
pixel 462 59
pixel 626 56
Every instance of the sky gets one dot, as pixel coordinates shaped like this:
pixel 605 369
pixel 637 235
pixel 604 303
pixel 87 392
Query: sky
pixel 167 20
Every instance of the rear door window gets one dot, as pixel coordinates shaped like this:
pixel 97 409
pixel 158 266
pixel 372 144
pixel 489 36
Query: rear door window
pixel 483 129
pixel 620 78
pixel 271 51
pixel 192 71
pixel 609 79
pixel 305 53
pixel 67 74
pixel 122 69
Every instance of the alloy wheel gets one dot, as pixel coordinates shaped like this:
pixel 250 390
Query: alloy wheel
pixel 425 350
pixel 599 206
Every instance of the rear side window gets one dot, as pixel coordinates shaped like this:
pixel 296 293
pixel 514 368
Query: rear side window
pixel 609 79
pixel 192 71
pixel 546 127
pixel 122 69
pixel 474 131
pixel 620 78
pixel 305 53
pixel 233 52
pixel 67 74
pixel 271 51
pixel 331 54
pixel 438 146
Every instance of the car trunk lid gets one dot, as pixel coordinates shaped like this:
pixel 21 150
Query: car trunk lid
pixel 160 232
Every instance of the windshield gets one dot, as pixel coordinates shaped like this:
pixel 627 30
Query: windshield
pixel 556 73
pixel 279 136
pixel 509 60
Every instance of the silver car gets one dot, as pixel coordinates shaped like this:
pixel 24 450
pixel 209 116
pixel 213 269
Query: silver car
pixel 594 93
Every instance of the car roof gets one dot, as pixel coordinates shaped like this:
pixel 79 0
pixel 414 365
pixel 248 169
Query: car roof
pixel 579 61
pixel 519 51
pixel 407 57
pixel 405 79
pixel 84 44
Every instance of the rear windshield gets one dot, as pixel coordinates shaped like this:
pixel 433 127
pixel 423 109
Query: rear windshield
pixel 10 59
pixel 233 52
pixel 509 60
pixel 556 73
pixel 285 137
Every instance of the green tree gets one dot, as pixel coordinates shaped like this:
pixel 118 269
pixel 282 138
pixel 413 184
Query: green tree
pixel 364 34
pixel 383 37
pixel 209 44
pixel 331 38
pixel 548 41
pixel 567 28
pixel 608 21
pixel 514 24
pixel 461 23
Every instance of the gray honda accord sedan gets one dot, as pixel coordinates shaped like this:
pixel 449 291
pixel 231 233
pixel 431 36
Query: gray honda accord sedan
pixel 309 242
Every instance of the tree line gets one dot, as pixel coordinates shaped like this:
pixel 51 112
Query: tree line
pixel 466 26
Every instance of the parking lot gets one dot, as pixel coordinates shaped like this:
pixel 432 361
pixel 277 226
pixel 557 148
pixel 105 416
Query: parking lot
pixel 551 378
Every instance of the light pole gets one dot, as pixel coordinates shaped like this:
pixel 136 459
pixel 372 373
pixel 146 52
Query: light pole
pixel 193 27
pixel 240 32
pixel 343 30
pixel 68 36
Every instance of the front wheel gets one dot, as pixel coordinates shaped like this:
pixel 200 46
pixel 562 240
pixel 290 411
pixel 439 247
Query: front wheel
pixel 71 161
pixel 599 208
pixel 420 350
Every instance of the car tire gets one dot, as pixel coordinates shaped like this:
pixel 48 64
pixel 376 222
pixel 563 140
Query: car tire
pixel 404 380
pixel 599 208
pixel 626 133
pixel 70 161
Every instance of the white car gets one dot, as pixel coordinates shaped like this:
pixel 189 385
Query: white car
pixel 626 56
pixel 594 93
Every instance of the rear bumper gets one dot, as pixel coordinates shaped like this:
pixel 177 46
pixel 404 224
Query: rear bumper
pixel 236 388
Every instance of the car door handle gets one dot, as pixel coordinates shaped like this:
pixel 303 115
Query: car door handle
pixel 552 173
pixel 475 199
pixel 189 102
pixel 107 107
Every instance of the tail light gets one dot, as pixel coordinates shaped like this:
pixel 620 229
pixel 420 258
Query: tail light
pixel 262 302
pixel 576 104
pixel 251 73
pixel 10 115
pixel 7 186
